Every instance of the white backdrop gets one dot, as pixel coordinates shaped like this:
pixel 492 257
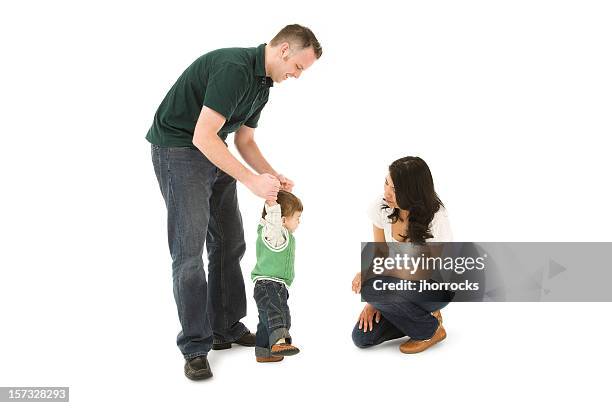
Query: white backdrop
pixel 508 102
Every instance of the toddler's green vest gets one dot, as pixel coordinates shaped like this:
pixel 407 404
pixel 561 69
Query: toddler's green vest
pixel 275 264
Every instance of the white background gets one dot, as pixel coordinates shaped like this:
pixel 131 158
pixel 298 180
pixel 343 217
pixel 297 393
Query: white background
pixel 508 102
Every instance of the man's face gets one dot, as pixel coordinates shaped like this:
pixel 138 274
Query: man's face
pixel 289 63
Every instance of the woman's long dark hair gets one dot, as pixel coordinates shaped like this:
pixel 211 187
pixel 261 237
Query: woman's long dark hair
pixel 414 192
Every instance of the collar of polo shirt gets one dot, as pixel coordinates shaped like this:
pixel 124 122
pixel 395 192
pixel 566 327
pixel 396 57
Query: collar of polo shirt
pixel 260 66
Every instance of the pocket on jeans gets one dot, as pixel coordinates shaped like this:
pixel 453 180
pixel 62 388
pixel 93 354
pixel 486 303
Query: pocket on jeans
pixel 190 156
pixel 260 293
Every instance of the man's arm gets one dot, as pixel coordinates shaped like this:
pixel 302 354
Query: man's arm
pixel 205 138
pixel 244 139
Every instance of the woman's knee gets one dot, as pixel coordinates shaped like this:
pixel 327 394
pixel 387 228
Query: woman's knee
pixel 361 339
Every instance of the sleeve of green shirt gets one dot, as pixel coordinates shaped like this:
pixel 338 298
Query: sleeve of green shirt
pixel 254 119
pixel 226 86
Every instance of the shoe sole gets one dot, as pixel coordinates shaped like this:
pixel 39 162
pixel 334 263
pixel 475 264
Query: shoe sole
pixel 265 360
pixel 286 353
pixel 199 377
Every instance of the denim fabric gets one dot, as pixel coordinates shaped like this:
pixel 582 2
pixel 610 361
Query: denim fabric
pixel 274 317
pixel 381 332
pixel 202 207
pixel 399 319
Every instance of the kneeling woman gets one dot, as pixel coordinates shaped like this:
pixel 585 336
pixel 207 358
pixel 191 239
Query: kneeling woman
pixel 409 211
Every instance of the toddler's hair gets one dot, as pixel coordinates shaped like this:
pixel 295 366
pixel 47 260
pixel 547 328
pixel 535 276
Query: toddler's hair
pixel 289 204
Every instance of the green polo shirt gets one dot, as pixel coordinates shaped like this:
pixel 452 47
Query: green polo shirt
pixel 230 81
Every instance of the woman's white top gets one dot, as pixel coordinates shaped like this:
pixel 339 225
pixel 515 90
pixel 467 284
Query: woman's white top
pixel 439 227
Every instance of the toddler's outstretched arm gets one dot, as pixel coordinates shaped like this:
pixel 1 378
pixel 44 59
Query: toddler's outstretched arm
pixel 273 225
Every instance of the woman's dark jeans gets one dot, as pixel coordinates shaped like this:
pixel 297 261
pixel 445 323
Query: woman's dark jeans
pixel 399 319
pixel 274 317
pixel 202 209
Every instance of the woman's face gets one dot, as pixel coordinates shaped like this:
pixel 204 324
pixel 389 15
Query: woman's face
pixel 390 192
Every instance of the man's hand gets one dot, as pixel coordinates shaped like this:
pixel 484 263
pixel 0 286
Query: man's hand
pixel 264 185
pixel 357 283
pixel 286 184
pixel 367 316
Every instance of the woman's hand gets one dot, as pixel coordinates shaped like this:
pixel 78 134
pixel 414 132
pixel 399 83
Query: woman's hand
pixel 357 283
pixel 367 317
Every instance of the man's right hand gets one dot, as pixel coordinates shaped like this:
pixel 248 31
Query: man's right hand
pixel 264 185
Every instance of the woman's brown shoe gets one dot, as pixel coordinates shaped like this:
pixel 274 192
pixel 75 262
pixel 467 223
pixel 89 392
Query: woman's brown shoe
pixel 284 349
pixel 416 346
pixel 437 315
pixel 271 359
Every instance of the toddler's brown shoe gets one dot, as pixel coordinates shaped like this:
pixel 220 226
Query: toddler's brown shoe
pixel 271 359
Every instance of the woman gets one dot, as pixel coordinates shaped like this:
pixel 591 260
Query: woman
pixel 410 211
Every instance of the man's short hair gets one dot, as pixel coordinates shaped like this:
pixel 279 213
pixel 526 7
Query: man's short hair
pixel 298 36
pixel 289 204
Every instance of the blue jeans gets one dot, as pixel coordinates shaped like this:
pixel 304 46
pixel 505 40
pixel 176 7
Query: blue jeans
pixel 399 319
pixel 202 207
pixel 274 317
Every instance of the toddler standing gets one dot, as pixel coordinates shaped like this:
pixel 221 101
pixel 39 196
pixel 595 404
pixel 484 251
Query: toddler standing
pixel 273 274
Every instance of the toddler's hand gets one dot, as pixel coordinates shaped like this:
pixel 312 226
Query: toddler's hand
pixel 286 184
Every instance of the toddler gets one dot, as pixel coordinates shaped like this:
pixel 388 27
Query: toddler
pixel 273 274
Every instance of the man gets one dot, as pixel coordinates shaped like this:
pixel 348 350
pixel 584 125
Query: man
pixel 222 92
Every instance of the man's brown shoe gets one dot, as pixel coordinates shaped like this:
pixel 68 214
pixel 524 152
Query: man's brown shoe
pixel 284 349
pixel 197 368
pixel 271 359
pixel 416 346
pixel 247 340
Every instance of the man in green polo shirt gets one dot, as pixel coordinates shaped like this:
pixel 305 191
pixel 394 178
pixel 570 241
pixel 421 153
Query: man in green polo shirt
pixel 222 92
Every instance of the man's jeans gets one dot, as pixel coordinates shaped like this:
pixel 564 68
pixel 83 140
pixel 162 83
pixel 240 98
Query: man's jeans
pixel 399 319
pixel 274 318
pixel 202 208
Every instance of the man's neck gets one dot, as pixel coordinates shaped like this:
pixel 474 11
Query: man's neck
pixel 267 59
